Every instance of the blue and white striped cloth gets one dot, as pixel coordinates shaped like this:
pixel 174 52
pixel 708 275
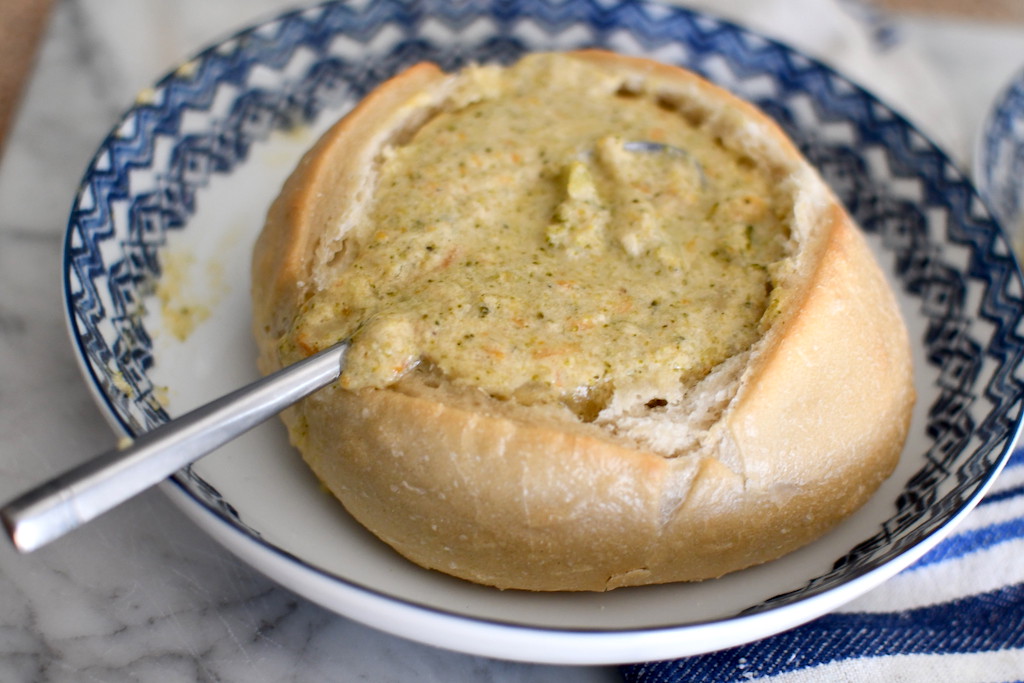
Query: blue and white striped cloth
pixel 955 615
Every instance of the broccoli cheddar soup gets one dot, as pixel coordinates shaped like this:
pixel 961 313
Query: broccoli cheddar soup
pixel 519 243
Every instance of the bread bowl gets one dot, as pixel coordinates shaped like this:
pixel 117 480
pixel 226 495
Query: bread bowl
pixel 576 366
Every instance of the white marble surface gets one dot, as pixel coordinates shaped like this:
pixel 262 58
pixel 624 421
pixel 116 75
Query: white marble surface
pixel 141 594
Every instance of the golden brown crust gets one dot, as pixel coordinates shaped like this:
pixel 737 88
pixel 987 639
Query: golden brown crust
pixel 479 492
pixel 847 350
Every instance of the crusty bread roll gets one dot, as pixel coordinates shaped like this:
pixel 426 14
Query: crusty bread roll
pixel 578 365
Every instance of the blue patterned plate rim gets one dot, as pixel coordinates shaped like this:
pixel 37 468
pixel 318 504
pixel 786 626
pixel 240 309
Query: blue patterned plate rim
pixel 998 162
pixel 910 155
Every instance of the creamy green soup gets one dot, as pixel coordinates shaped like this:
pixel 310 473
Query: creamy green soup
pixel 515 244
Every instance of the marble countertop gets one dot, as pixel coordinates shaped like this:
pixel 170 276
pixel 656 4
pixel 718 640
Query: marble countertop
pixel 142 594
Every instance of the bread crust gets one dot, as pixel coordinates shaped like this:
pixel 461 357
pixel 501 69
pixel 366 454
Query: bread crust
pixel 471 489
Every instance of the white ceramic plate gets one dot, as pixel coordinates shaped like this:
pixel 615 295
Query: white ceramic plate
pixel 156 273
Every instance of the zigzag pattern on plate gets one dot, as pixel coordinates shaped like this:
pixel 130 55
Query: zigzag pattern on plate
pixel 945 251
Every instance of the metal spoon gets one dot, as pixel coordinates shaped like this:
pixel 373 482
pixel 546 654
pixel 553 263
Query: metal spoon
pixel 69 500
pixel 649 146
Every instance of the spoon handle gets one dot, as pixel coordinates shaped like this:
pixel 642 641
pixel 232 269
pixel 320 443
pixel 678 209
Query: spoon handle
pixel 54 508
